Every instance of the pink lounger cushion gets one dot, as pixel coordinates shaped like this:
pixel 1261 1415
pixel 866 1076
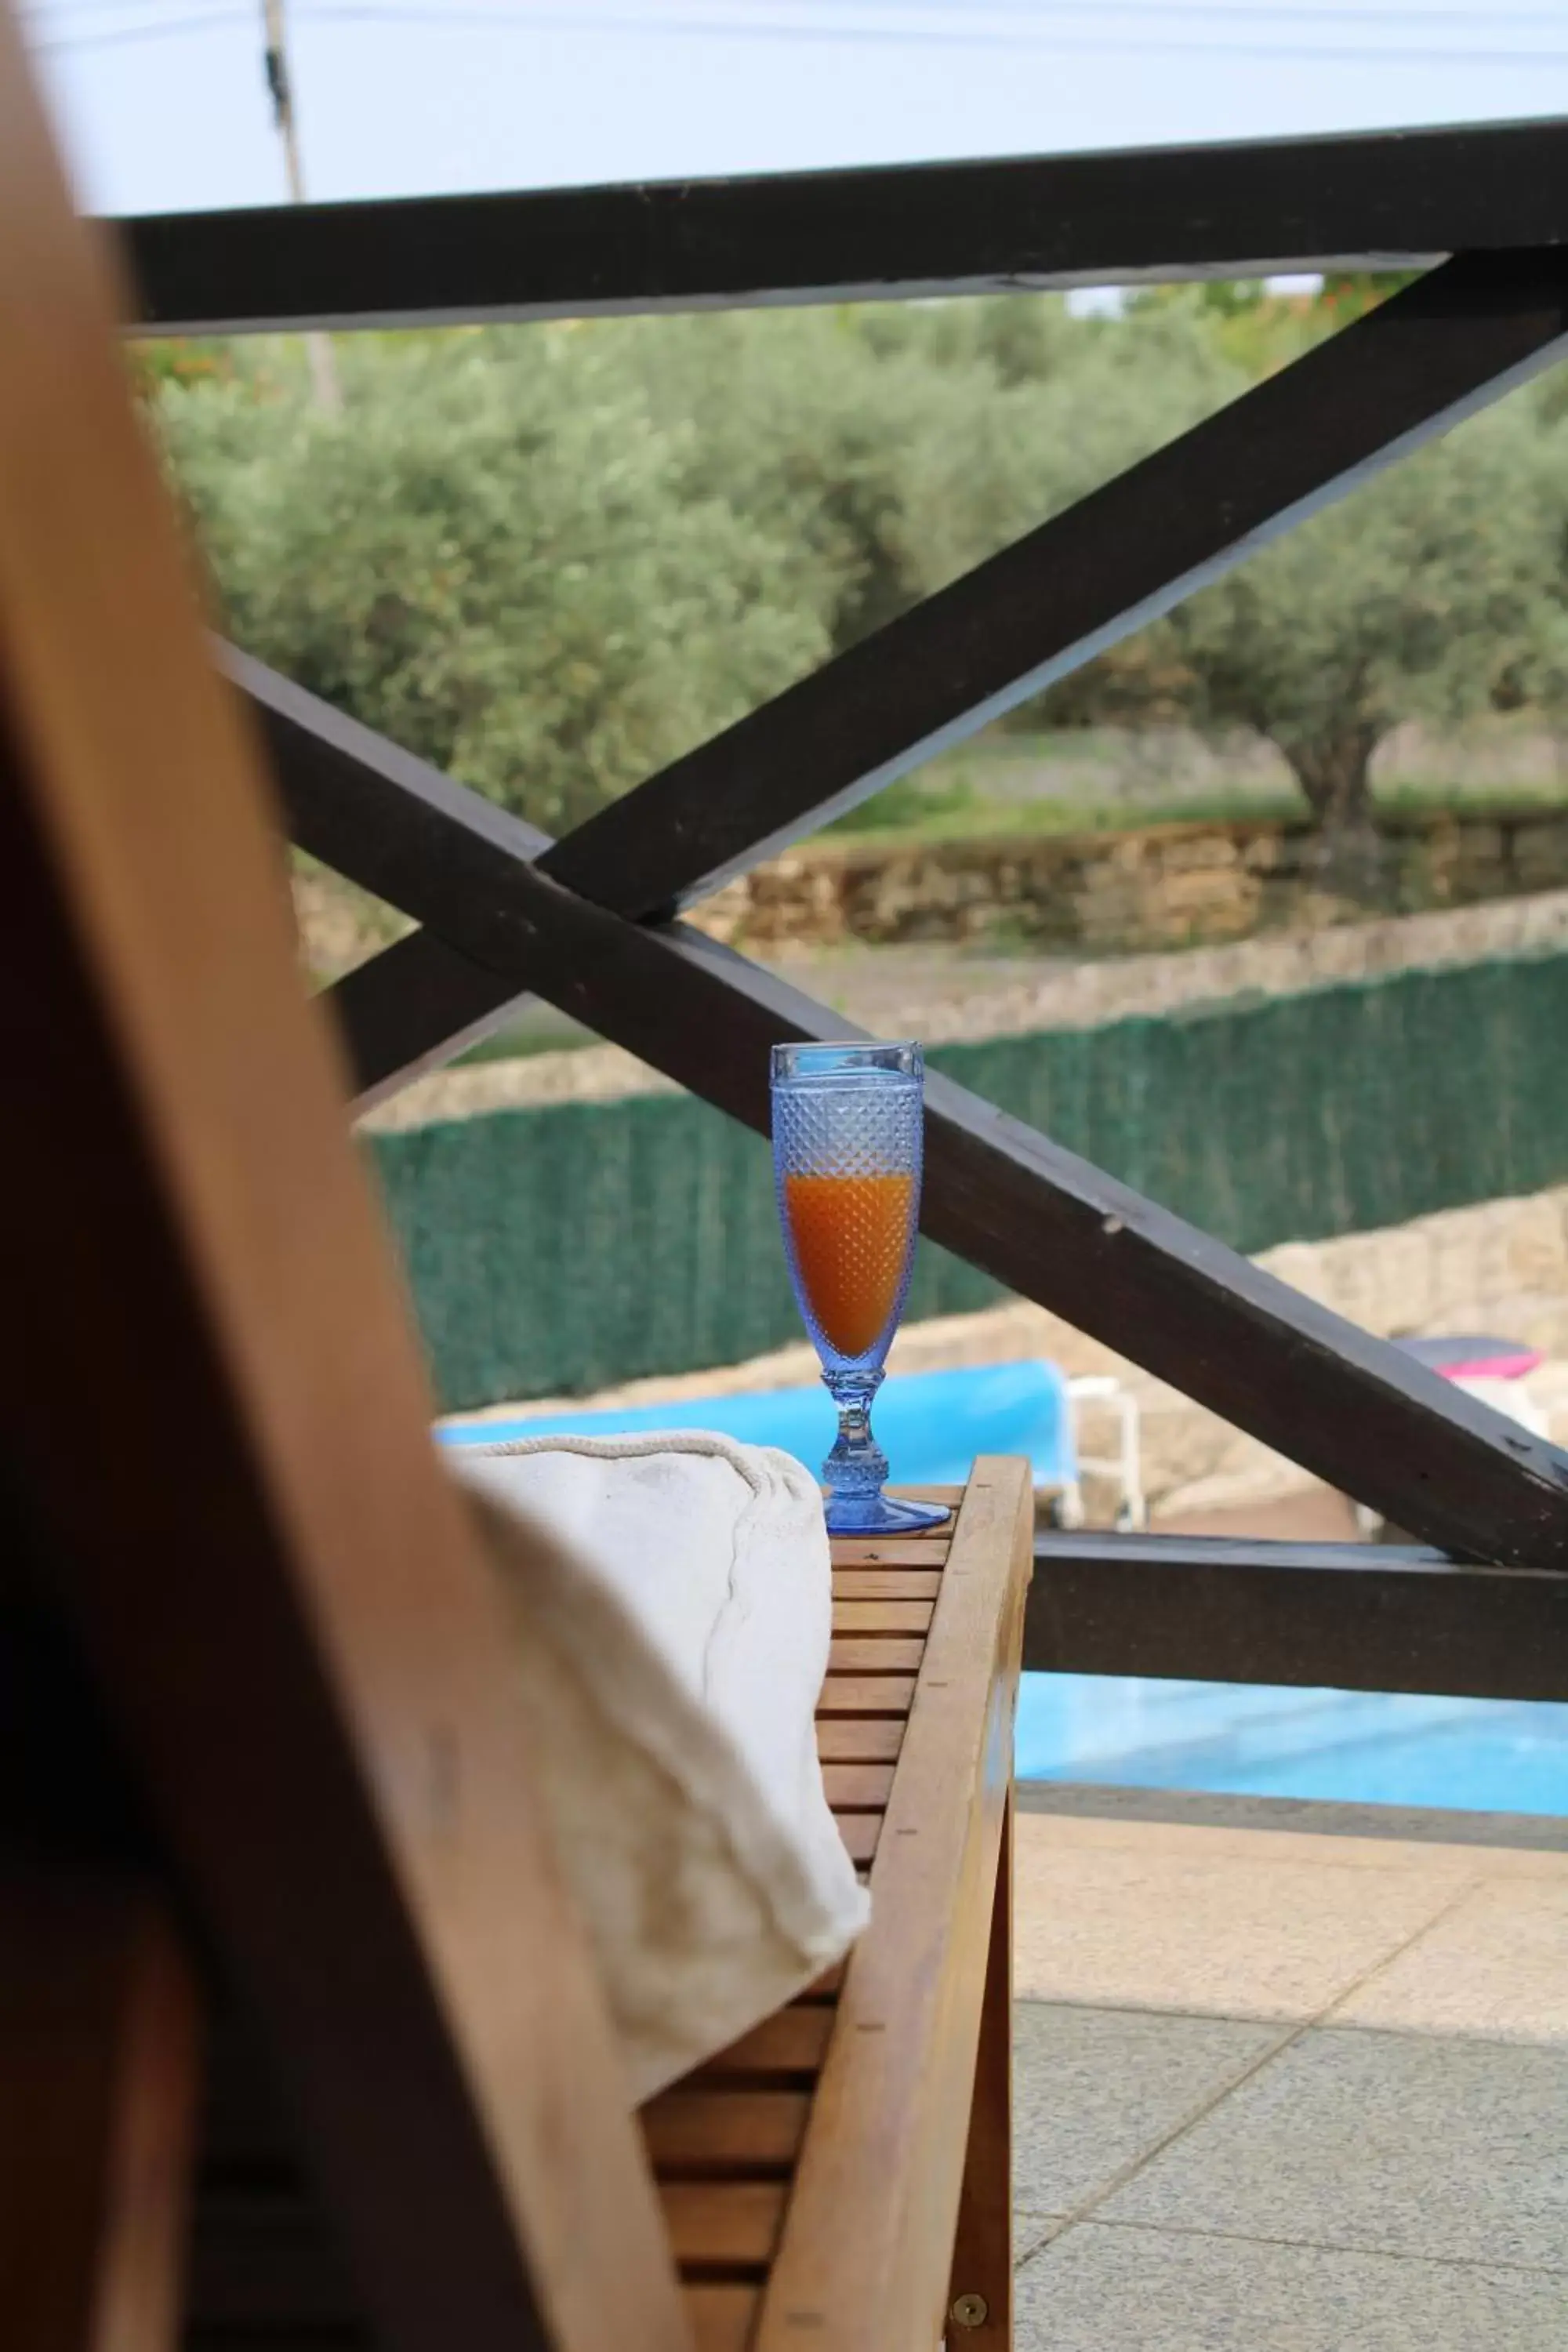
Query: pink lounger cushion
pixel 1475 1356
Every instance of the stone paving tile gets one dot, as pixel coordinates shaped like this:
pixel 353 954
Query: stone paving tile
pixel 1174 1924
pixel 1095 2090
pixel 1494 1968
pixel 1394 2143
pixel 1458 1863
pixel 1103 2289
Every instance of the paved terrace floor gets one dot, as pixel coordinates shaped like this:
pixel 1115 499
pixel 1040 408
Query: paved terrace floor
pixel 1290 2090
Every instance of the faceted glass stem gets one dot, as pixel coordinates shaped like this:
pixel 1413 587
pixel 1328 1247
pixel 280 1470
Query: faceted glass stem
pixel 857 1466
pixel 855 1472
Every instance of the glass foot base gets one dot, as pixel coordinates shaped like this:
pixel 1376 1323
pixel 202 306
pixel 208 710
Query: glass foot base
pixel 879 1514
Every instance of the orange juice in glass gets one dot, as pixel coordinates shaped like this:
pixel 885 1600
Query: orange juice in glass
pixel 848 1122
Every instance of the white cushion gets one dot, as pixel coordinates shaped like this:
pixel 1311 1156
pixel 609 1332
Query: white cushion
pixel 673 1635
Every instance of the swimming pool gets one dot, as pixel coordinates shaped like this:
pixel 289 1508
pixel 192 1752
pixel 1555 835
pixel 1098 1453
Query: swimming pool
pixel 1252 1739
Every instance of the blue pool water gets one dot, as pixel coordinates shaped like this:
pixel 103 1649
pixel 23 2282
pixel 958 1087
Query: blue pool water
pixel 1249 1739
pixel 930 1425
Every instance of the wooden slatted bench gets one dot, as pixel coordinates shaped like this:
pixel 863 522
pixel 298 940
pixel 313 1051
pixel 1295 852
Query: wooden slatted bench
pixel 812 2176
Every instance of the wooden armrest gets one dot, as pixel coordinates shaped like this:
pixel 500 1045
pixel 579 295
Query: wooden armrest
pixel 811 2176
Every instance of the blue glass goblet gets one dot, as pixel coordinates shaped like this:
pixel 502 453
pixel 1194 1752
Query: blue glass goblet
pixel 846 1163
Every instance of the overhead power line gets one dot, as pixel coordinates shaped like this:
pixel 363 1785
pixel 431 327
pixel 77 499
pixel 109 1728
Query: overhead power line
pixel 898 23
pixel 1039 13
pixel 957 32
pixel 121 36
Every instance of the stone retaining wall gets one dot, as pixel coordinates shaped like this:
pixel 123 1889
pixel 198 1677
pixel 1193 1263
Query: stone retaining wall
pixel 1168 885
pixel 1116 893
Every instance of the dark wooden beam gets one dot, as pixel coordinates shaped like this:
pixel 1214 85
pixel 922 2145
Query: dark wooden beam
pixel 1354 1409
pixel 417 1004
pixel 1074 586
pixel 344 786
pixel 1348 1616
pixel 1366 200
pixel 413 1007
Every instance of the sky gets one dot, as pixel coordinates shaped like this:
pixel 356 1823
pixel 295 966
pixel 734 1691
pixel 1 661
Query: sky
pixel 162 107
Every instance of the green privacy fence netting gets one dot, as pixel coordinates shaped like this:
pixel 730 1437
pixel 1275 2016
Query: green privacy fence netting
pixel 565 1249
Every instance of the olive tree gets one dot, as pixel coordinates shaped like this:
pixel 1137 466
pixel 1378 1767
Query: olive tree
pixel 1428 592
pixel 499 556
pixel 1431 592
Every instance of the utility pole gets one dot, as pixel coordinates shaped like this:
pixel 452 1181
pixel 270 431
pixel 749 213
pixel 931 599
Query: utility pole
pixel 281 87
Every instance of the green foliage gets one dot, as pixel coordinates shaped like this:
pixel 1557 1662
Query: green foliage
pixel 912 804
pixel 813 439
pixel 178 359
pixel 501 556
pixel 552 559
pixel 1034 448
pixel 1422 595
pixel 1250 328
pixel 1350 294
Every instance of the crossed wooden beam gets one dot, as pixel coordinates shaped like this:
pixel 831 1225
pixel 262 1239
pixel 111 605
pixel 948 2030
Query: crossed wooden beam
pixel 587 921
pixel 1035 1215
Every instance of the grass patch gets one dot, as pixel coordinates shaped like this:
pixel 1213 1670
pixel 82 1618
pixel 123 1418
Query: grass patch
pixel 961 809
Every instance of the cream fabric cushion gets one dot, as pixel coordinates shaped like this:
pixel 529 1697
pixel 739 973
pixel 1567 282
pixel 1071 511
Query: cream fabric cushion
pixel 672 1639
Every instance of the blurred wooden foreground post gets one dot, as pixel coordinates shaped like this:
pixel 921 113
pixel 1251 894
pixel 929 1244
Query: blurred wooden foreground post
pixel 215 1428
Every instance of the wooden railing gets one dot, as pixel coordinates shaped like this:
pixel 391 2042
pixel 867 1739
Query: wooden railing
pixel 591 922
pixel 1383 200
